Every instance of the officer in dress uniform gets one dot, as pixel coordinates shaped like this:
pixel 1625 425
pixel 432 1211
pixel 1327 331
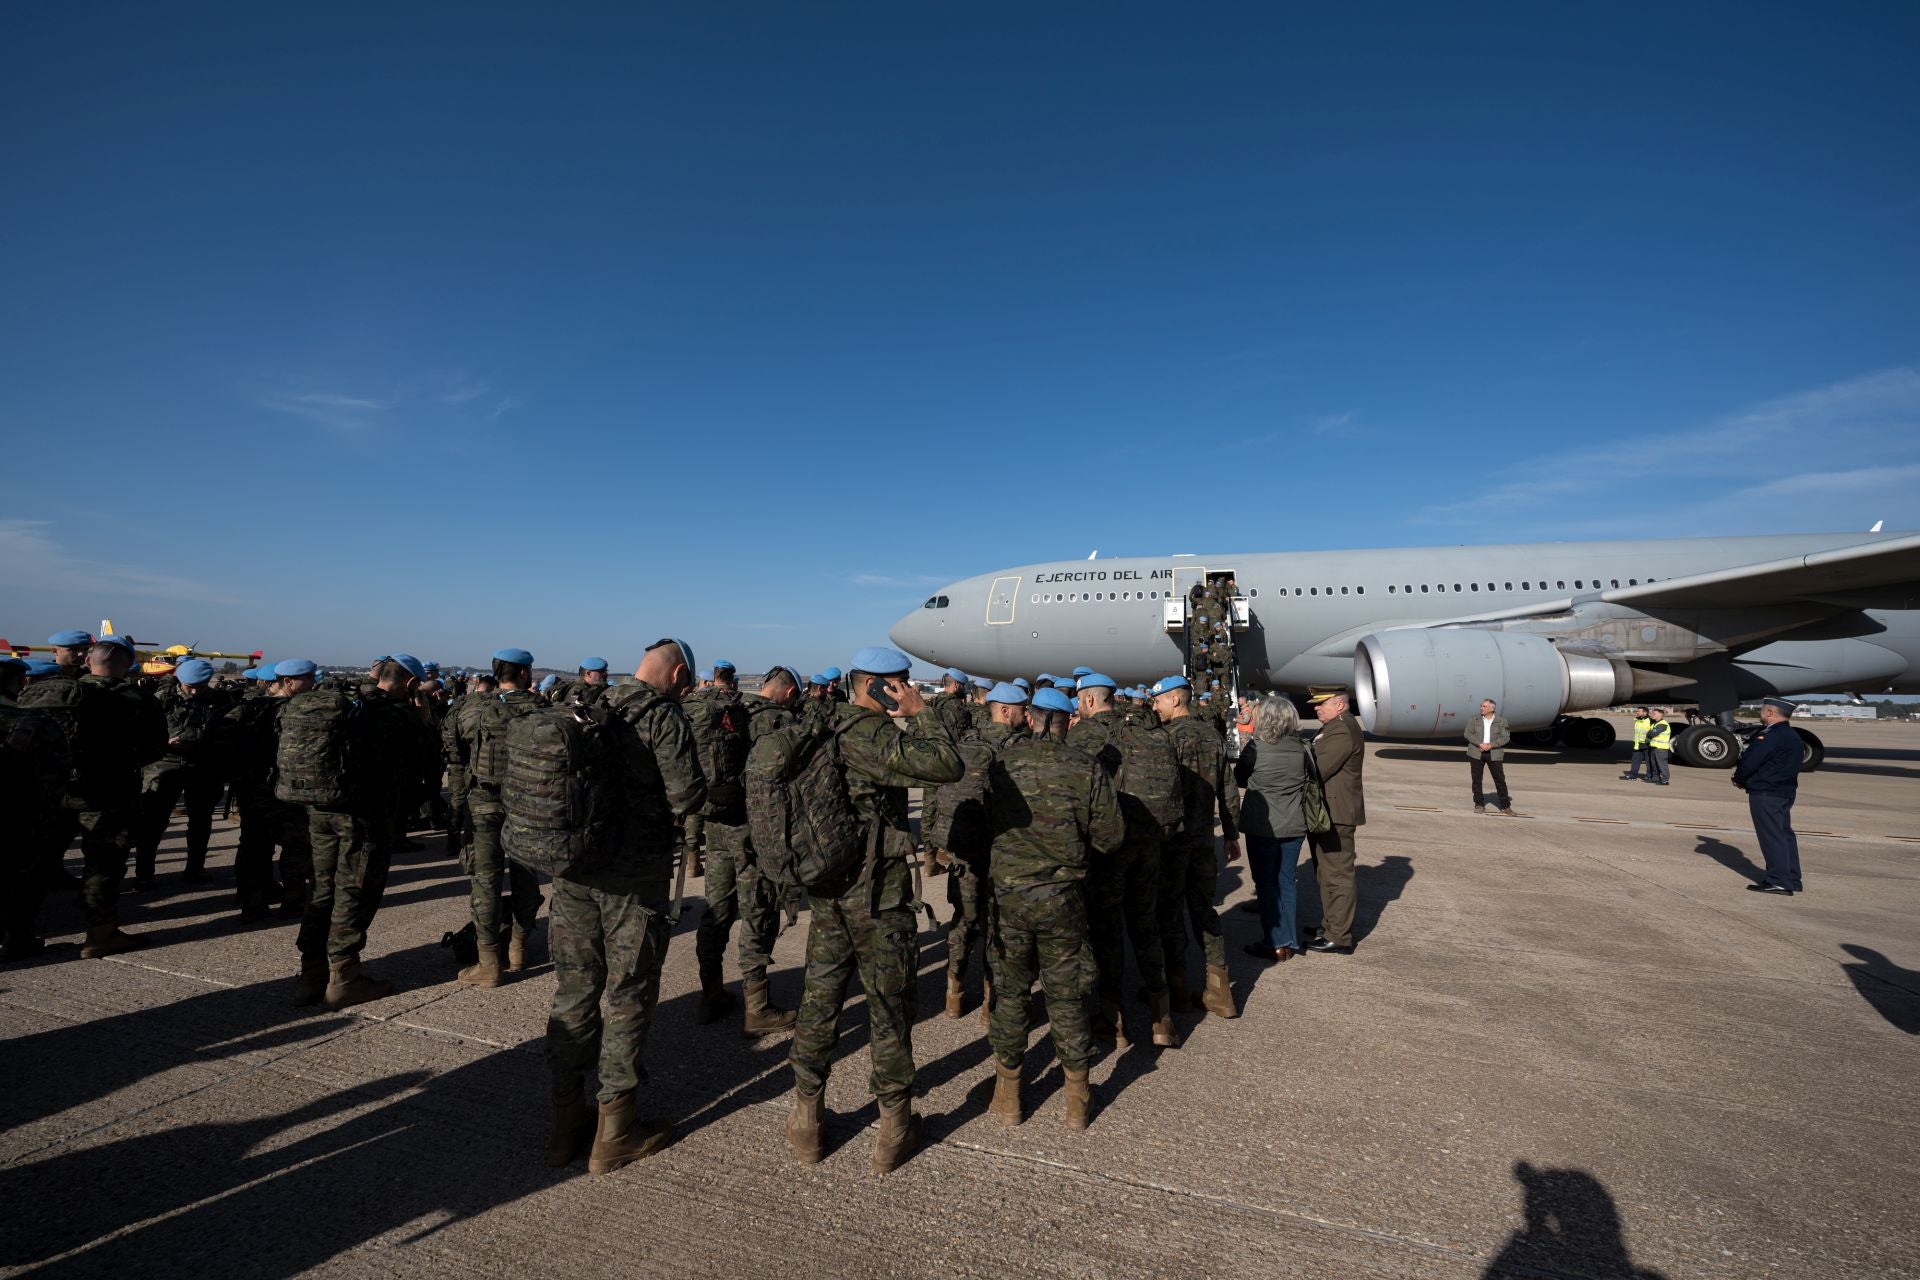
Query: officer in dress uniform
pixel 1769 772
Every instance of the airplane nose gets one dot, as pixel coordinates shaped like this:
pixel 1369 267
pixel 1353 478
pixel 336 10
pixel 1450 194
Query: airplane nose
pixel 907 635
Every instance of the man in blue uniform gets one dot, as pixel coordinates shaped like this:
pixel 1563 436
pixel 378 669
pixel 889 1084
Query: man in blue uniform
pixel 1769 772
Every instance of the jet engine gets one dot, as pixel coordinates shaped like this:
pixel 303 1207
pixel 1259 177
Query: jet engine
pixel 1429 683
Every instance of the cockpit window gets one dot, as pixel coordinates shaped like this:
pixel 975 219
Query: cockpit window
pixel 935 602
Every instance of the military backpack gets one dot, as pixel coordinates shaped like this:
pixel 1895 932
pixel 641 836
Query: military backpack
pixel 562 790
pixel 721 740
pixel 311 761
pixel 1148 780
pixel 956 819
pixel 61 698
pixel 805 828
pixel 493 719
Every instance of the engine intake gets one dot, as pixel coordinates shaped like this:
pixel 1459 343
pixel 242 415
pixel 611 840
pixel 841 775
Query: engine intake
pixel 1428 684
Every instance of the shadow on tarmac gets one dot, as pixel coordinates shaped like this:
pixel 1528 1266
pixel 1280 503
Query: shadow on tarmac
pixel 1572 1229
pixel 1731 858
pixel 1893 992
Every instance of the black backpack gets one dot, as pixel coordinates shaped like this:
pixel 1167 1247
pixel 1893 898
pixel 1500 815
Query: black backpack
pixel 719 724
pixel 805 828
pixel 565 808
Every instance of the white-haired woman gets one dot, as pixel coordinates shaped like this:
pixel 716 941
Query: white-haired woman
pixel 1273 770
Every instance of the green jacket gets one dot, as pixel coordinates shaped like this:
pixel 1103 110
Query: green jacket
pixel 1052 807
pixel 883 758
pixel 1203 778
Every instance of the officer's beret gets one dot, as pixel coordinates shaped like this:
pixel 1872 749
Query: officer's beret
pixel 1094 680
pixel 834 673
pixel 294 667
pixel 1082 671
pixel 71 639
pixel 547 682
pixel 518 657
pixel 413 665
pixel 1169 683
pixel 956 675
pixel 704 673
pixel 1781 705
pixel 591 664
pixel 723 665
pixel 120 641
pixel 879 660
pixel 38 667
pixel 981 682
pixel 1012 693
pixel 1052 700
pixel 1022 682
pixel 194 671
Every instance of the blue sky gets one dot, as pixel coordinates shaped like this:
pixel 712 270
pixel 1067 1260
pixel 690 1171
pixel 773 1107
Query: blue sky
pixel 341 329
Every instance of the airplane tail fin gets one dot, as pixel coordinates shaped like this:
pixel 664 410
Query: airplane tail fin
pixel 106 626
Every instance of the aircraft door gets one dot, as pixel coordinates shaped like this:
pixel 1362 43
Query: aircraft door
pixel 1186 577
pixel 1000 601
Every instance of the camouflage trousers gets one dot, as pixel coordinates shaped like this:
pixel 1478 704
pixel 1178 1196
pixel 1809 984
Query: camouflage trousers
pixel 971 897
pixel 1189 877
pixel 1123 903
pixel 163 787
pixel 487 866
pixel 846 933
pixel 1040 933
pixel 351 853
pixel 264 823
pixel 736 891
pixel 105 819
pixel 609 941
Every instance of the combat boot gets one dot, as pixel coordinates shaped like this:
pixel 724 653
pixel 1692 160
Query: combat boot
pixel 624 1137
pixel 803 1126
pixel 348 986
pixel 956 995
pixel 293 900
pixel 763 1016
pixel 715 999
pixel 484 972
pixel 986 1000
pixel 1218 999
pixel 1177 997
pixel 1079 1098
pixel 899 1135
pixel 1165 1034
pixel 572 1129
pixel 311 986
pixel 253 905
pixel 517 949
pixel 1006 1094
pixel 1110 1022
pixel 108 940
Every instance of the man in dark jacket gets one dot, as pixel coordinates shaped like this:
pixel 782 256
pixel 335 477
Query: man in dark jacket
pixel 1487 737
pixel 1769 772
pixel 1339 753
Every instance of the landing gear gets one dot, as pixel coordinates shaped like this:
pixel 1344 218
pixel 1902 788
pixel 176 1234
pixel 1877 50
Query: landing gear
pixel 1589 733
pixel 1812 751
pixel 1547 737
pixel 1706 746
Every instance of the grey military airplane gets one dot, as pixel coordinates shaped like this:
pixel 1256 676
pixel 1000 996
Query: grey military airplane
pixel 1421 635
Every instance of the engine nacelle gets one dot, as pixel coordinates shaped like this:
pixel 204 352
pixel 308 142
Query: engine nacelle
pixel 1429 684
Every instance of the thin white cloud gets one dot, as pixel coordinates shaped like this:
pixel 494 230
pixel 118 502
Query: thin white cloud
pixel 892 580
pixel 343 413
pixel 1331 424
pixel 30 560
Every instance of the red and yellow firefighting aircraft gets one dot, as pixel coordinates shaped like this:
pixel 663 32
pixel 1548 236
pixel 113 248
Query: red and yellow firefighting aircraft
pixel 153 661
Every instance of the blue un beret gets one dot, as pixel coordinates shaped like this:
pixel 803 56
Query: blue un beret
pixel 1082 671
pixel 1011 693
pixel 1052 700
pixel 518 657
pixel 71 639
pixel 414 667
pixel 834 673
pixel 1169 683
pixel 723 665
pixel 9 662
pixel 820 678
pixel 704 673
pixel 1094 680
pixel 547 682
pixel 956 675
pixel 194 671
pixel 593 664
pixel 293 667
pixel 981 682
pixel 38 667
pixel 879 660
pixel 121 641
pixel 1022 682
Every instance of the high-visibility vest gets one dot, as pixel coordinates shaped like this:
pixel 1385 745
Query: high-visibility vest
pixel 1641 726
pixel 1660 736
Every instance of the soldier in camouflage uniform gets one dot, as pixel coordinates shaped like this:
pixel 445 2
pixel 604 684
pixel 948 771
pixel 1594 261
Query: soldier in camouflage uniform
pixel 35 767
pixel 950 704
pixel 609 926
pixel 265 820
pixel 115 730
pixel 1123 891
pixel 955 822
pixel 1052 809
pixel 1190 870
pixel 871 927
pixel 476 753
pixel 195 724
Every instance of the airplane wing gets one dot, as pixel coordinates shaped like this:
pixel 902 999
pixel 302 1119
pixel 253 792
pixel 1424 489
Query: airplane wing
pixel 1809 578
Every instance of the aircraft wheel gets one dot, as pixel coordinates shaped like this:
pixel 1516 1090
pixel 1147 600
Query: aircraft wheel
pixel 1546 737
pixel 1589 733
pixel 1812 751
pixel 1707 746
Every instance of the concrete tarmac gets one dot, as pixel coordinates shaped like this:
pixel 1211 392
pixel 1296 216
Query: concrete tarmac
pixel 1570 1044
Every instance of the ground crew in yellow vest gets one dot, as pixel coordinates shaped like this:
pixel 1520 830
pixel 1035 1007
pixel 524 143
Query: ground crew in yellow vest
pixel 866 921
pixel 1659 747
pixel 1642 725
pixel 477 764
pixel 1053 812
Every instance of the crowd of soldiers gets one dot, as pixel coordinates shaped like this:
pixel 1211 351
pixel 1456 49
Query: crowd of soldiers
pixel 1071 819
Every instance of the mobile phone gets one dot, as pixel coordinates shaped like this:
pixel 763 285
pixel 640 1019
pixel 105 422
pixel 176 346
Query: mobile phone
pixel 877 690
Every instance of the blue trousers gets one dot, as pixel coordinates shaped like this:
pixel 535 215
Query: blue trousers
pixel 1657 761
pixel 1773 823
pixel 1273 860
pixel 1639 758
